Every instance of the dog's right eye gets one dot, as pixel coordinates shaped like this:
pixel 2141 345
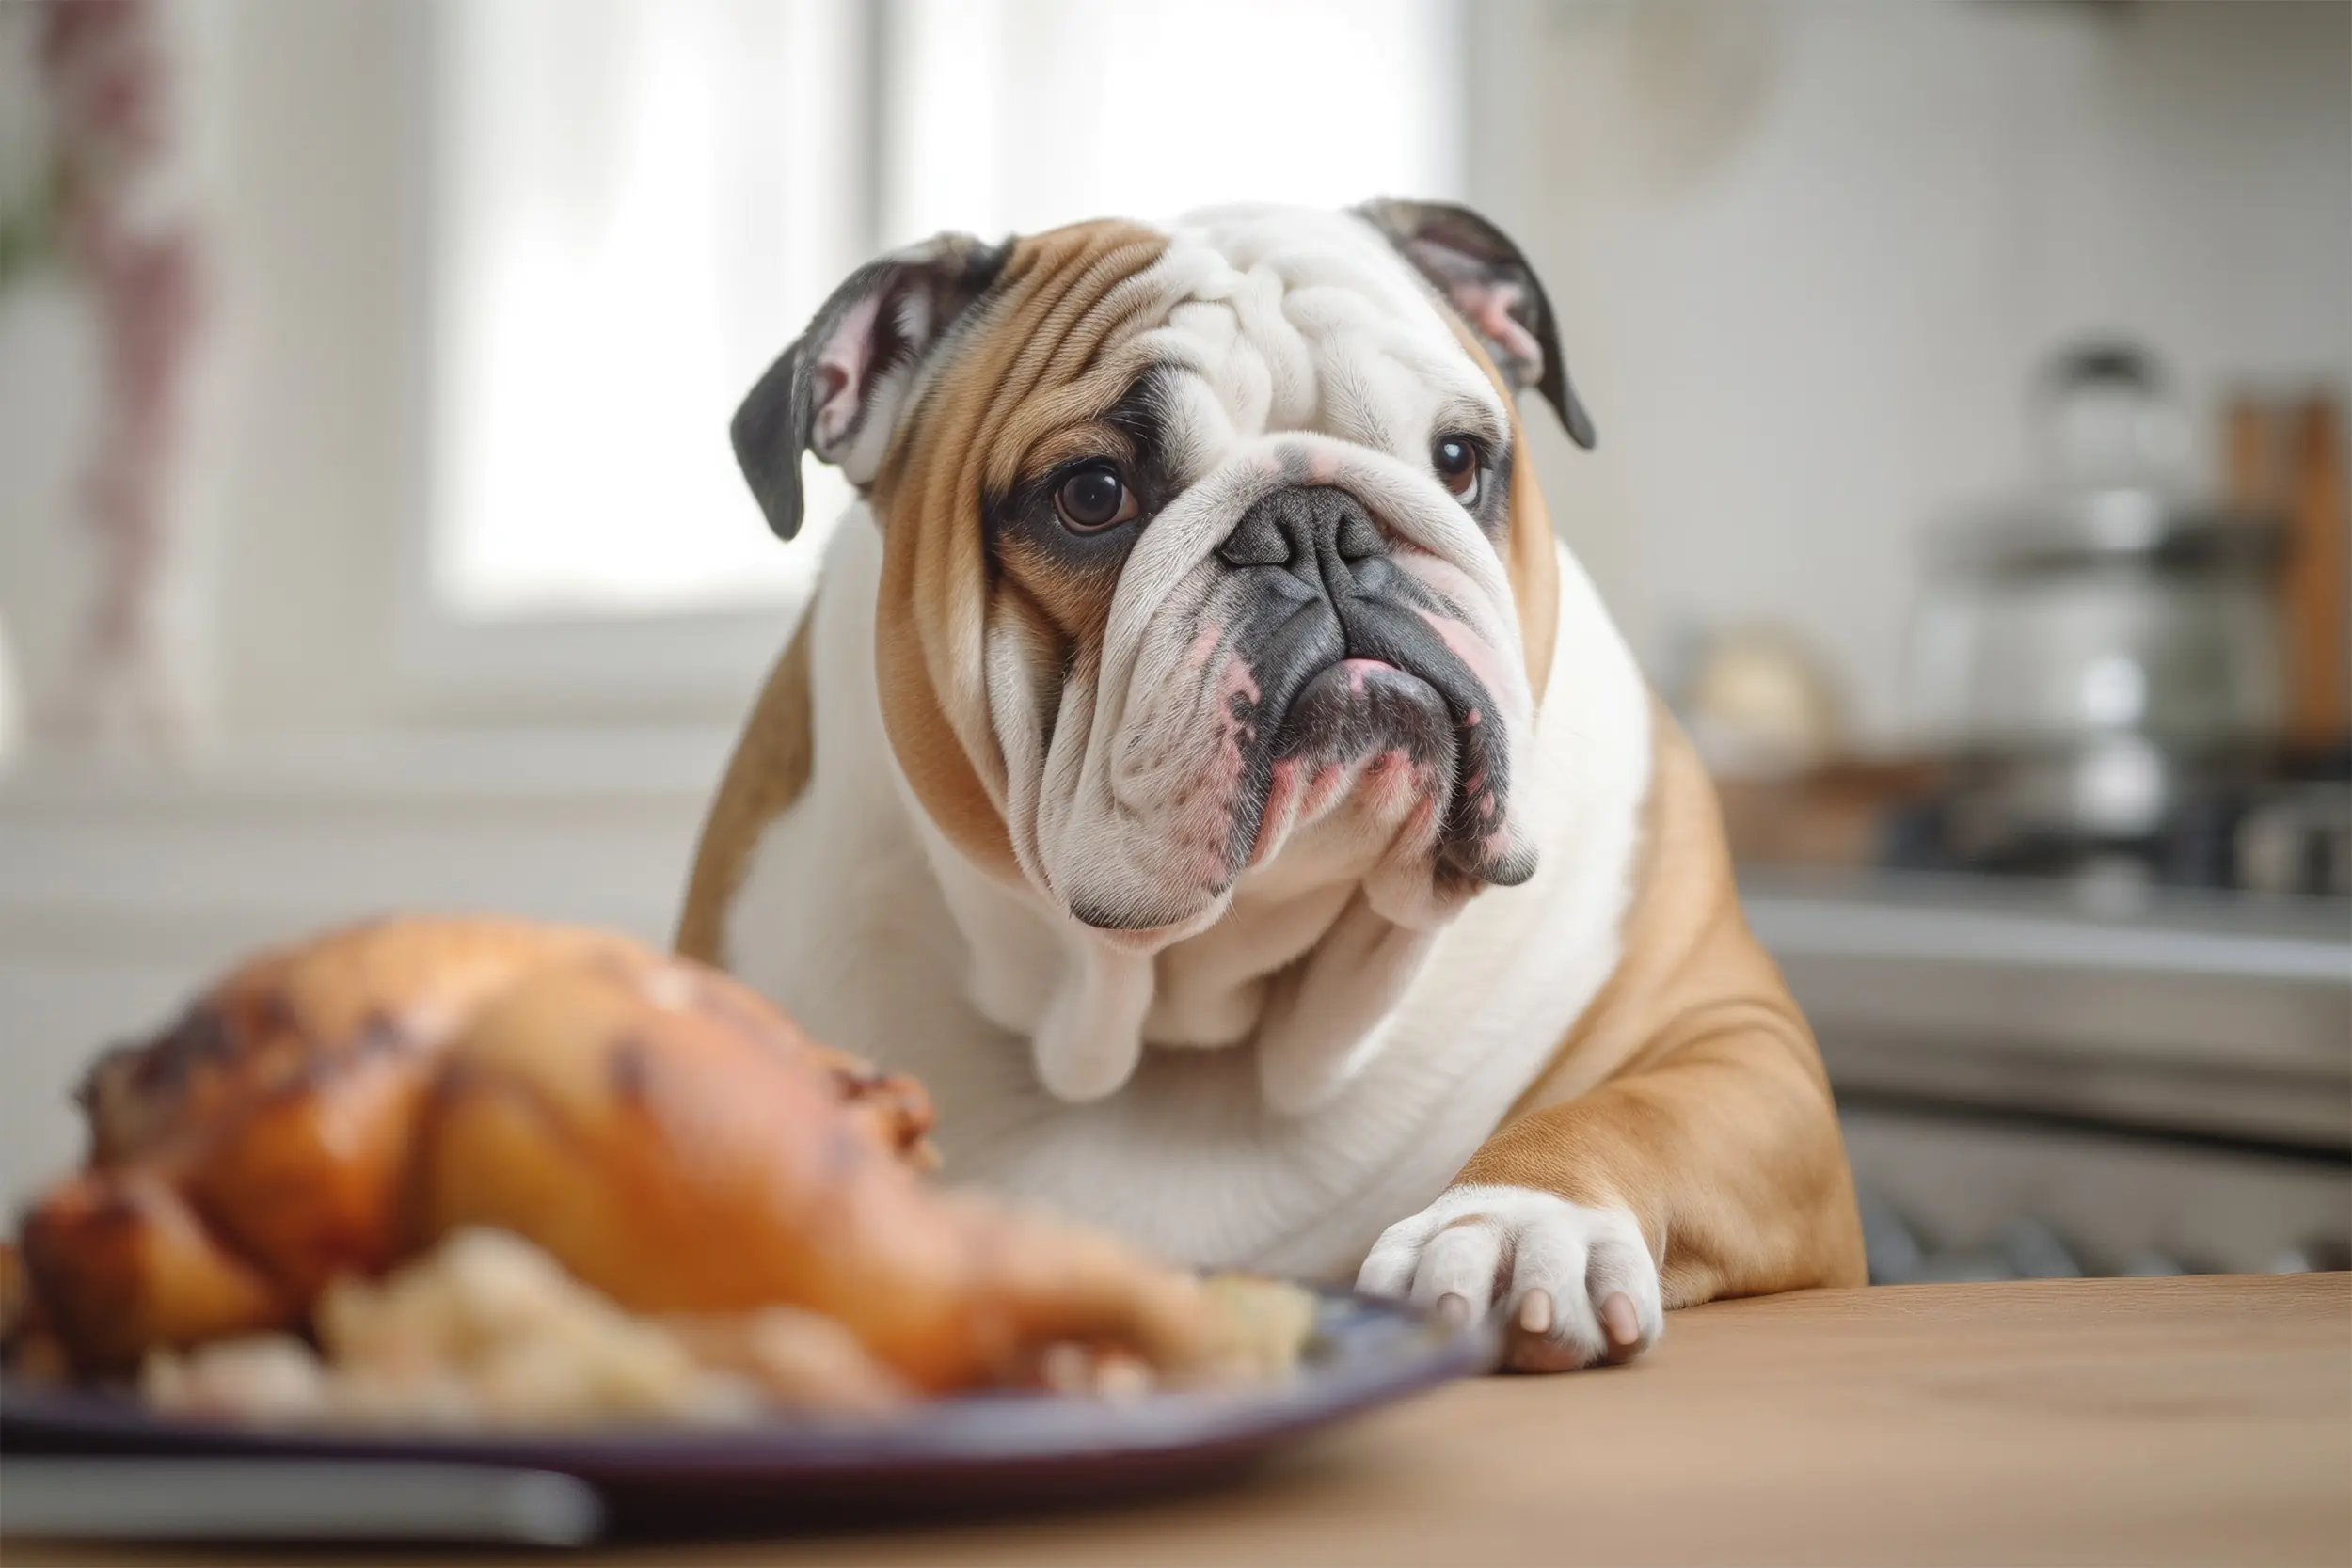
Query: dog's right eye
pixel 1458 460
pixel 1094 497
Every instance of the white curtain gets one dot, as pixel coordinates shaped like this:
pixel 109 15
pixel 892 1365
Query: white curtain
pixel 640 202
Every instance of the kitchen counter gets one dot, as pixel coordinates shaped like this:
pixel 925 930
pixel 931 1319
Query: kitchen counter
pixel 2160 1077
pixel 2194 1419
pixel 2215 1015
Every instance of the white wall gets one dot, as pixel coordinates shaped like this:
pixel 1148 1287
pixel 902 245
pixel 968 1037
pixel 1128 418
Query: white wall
pixel 1808 255
pixel 308 119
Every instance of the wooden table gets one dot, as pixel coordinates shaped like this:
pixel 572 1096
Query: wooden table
pixel 2143 1421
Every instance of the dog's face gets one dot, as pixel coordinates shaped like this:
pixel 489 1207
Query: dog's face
pixel 1205 549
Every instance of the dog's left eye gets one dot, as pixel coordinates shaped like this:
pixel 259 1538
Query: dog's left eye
pixel 1094 497
pixel 1456 460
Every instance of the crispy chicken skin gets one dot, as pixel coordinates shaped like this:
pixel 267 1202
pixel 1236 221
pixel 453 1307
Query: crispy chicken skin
pixel 259 1145
pixel 664 1133
pixel 636 1122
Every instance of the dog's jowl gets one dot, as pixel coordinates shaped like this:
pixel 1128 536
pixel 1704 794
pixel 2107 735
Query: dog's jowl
pixel 1204 768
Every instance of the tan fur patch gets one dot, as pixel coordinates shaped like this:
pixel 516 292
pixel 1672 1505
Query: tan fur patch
pixel 1690 1090
pixel 1052 355
pixel 771 766
pixel 1530 554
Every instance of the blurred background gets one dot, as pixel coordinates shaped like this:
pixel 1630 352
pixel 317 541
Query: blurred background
pixel 1970 379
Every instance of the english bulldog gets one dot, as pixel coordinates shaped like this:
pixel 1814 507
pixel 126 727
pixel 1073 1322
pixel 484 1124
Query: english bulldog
pixel 1201 763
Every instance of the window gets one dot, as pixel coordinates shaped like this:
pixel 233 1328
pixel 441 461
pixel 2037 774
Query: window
pixel 1012 114
pixel 636 203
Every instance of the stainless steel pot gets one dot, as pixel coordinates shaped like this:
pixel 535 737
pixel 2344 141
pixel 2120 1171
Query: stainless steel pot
pixel 2095 640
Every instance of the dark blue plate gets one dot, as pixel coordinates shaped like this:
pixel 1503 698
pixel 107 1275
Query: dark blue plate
pixel 959 1456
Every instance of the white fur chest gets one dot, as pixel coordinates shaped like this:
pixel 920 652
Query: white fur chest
pixel 858 921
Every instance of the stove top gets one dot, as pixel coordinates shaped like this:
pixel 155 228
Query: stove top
pixel 2277 827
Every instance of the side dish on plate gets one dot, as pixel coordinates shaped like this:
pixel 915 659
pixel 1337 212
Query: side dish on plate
pixel 456 1173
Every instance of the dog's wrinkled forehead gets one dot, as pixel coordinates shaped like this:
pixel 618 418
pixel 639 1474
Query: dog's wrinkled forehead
pixel 1324 308
pixel 1310 321
pixel 1230 323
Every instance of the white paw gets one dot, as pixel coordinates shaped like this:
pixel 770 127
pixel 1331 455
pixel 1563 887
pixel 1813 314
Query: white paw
pixel 1574 1285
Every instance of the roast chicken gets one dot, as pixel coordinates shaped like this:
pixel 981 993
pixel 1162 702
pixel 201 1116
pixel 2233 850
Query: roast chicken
pixel 664 1133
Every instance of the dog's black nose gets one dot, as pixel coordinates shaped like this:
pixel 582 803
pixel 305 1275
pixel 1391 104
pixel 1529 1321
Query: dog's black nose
pixel 1313 528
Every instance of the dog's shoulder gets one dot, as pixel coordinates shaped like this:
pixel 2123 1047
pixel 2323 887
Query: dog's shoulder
pixel 1689 965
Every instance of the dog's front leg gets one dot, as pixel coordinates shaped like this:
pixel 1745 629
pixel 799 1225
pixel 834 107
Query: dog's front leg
pixel 1718 1172
pixel 1684 1145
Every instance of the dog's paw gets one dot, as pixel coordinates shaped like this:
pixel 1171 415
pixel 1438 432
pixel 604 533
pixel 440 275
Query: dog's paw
pixel 1573 1285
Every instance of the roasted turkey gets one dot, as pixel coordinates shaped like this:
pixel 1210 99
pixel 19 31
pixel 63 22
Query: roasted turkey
pixel 664 1132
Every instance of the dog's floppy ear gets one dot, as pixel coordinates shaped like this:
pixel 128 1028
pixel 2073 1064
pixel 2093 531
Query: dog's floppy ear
pixel 1475 266
pixel 841 386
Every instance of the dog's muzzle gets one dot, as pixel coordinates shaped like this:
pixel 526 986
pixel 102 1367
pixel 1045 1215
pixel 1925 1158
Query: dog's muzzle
pixel 1344 645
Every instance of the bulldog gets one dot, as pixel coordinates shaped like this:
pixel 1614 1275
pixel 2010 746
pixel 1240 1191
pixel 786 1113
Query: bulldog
pixel 1202 765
